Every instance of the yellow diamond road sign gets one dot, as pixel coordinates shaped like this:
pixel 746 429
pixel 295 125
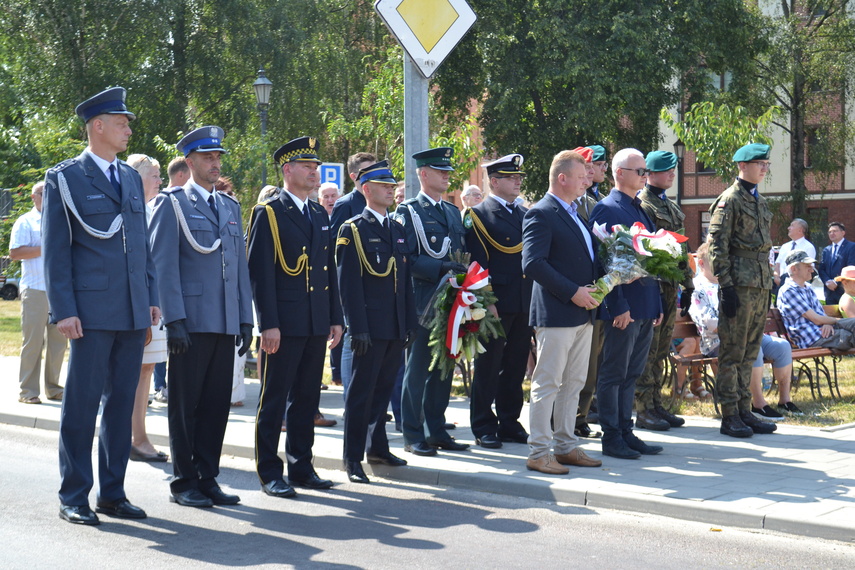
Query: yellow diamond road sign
pixel 427 29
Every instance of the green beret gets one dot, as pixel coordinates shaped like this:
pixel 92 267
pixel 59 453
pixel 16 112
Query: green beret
pixel 661 160
pixel 753 151
pixel 599 153
pixel 437 158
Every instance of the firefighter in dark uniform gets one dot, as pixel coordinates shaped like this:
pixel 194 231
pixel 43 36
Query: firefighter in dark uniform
pixel 295 287
pixel 377 300
pixel 494 239
pixel 434 232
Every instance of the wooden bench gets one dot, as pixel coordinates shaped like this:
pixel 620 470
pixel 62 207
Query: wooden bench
pixel 684 327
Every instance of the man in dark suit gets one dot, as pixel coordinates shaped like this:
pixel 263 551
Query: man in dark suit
pixel 293 277
pixel 434 231
pixel 631 312
pixel 100 286
pixel 346 207
pixel 558 254
pixel 494 239
pixel 198 247
pixel 835 257
pixel 377 300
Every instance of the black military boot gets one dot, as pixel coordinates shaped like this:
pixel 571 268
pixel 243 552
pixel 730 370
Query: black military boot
pixel 735 427
pixel 673 420
pixel 756 424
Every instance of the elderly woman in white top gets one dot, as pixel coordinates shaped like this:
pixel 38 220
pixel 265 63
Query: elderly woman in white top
pixel 155 351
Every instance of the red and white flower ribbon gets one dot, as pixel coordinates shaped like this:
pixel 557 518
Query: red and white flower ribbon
pixel 476 278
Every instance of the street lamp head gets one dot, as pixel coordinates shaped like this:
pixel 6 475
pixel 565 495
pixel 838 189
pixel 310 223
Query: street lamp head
pixel 679 149
pixel 262 87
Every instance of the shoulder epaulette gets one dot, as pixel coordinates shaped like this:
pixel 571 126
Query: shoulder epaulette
pixel 62 165
pixel 353 219
pixel 172 190
pixel 224 195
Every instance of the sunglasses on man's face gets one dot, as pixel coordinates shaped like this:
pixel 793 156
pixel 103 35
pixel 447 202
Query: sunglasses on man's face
pixel 639 171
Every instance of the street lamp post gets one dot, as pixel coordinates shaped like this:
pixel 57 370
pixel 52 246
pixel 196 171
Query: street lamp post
pixel 680 151
pixel 263 87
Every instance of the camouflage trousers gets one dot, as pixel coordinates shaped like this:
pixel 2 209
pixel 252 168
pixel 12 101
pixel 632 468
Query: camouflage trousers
pixel 740 339
pixel 648 387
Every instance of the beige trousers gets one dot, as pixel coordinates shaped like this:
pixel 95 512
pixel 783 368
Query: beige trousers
pixel 39 336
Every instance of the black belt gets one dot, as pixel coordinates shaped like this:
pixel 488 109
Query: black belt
pixel 758 255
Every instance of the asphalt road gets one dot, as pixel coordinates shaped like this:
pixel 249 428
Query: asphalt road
pixel 381 525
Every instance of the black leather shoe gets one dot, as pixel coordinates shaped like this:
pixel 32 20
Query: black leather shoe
pixel 355 473
pixel 191 498
pixel 620 450
pixel 449 445
pixel 121 509
pixel 278 488
pixel 648 419
pixel 386 459
pixel 584 430
pixel 673 421
pixel 756 424
pixel 735 427
pixel 489 441
pixel 219 497
pixel 449 425
pixel 420 448
pixel 518 437
pixel 311 482
pixel 636 444
pixel 78 515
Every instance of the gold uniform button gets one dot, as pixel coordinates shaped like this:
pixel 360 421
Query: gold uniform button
pixel 326 288
pixel 310 268
pixel 311 288
pixel 325 267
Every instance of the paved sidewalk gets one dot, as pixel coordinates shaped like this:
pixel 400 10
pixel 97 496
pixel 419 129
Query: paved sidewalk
pixel 798 480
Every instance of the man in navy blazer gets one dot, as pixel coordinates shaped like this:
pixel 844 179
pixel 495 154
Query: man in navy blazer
pixel 558 254
pixel 101 289
pixel 630 313
pixel 835 257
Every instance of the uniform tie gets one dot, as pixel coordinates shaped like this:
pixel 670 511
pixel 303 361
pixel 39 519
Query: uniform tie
pixel 115 181
pixel 386 223
pixel 307 214
pixel 213 204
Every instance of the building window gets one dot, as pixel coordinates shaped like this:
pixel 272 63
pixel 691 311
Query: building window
pixel 702 168
pixel 811 141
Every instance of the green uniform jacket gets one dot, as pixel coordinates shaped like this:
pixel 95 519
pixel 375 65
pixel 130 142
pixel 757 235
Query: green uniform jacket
pixel 666 215
pixel 740 239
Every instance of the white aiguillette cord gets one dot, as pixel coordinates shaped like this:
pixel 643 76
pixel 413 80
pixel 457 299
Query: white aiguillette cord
pixel 65 194
pixel 182 223
pixel 423 241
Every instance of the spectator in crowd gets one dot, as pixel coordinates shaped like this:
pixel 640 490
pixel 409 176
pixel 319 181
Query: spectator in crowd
pixel 471 196
pixel 155 350
pixel 805 319
pixel 400 192
pixel 846 279
pixel 797 230
pixel 835 256
pixel 705 314
pixel 327 196
pixel 37 330
pixel 178 172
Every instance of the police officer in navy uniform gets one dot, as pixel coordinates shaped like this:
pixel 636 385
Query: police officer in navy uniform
pixel 198 247
pixel 434 231
pixel 100 286
pixel 494 239
pixel 295 287
pixel 377 299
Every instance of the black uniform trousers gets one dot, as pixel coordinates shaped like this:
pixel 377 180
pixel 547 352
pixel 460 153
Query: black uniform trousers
pixel 499 374
pixel 371 385
pixel 200 390
pixel 290 387
pixel 425 395
pixel 102 365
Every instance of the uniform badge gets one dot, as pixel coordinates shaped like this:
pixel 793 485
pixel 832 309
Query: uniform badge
pixel 448 153
pixel 401 220
pixel 213 132
pixel 401 240
pixel 433 239
pixel 324 228
pixel 312 143
pixel 467 220
pixel 342 241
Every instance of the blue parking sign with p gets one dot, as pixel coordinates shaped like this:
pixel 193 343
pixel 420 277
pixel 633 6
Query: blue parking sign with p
pixel 333 172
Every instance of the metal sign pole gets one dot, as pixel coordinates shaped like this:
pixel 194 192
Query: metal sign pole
pixel 416 134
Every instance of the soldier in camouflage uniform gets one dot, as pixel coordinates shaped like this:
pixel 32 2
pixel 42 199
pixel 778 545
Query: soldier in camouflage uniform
pixel 666 215
pixel 740 241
